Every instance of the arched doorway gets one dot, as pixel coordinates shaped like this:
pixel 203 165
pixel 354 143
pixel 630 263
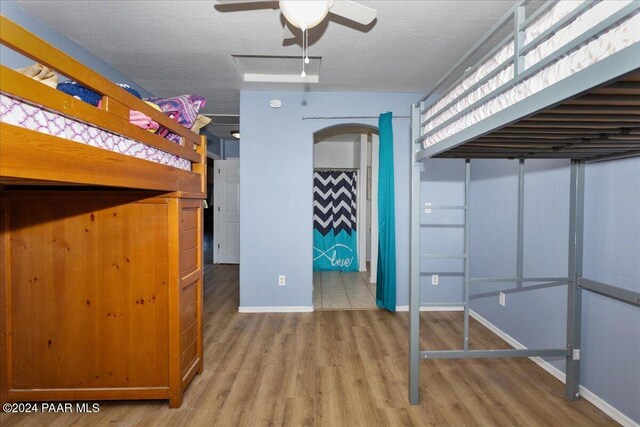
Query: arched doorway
pixel 345 236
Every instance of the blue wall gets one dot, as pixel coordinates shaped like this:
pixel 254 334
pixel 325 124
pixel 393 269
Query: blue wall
pixel 214 144
pixel 231 148
pixel 611 341
pixel 276 196
pixel 12 59
pixel 442 230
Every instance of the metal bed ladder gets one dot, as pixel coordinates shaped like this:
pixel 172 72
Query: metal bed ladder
pixel 574 297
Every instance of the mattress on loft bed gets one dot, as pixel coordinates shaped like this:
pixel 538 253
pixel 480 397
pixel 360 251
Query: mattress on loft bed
pixel 25 115
pixel 618 37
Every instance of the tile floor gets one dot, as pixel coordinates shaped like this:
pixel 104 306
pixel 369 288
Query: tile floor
pixel 337 290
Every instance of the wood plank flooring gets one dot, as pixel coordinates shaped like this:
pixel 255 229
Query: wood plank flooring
pixel 335 368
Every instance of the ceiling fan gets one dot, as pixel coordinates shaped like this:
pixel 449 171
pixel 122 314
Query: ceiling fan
pixel 307 14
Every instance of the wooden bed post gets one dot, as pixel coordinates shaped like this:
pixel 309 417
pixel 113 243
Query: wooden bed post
pixel 4 303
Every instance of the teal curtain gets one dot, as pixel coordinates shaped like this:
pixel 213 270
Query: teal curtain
pixel 386 285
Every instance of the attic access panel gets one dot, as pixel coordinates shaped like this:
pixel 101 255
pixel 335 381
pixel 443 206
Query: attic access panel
pixel 276 69
pixel 600 123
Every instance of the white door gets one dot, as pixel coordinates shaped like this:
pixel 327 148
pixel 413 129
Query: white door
pixel 226 213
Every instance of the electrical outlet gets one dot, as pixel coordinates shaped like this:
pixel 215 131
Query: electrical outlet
pixel 434 279
pixel 503 299
pixel 282 280
pixel 427 208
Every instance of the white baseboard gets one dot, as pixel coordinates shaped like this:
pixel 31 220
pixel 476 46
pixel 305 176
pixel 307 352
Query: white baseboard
pixel 277 309
pixel 594 399
pixel 432 308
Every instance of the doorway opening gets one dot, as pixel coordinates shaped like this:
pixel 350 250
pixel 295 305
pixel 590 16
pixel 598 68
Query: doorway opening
pixel 345 248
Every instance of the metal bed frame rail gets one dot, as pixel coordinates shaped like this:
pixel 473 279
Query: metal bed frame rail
pixel 575 282
pixel 598 73
pixel 607 69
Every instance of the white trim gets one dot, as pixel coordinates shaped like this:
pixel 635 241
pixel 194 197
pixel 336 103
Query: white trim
pixel 594 399
pixel 277 309
pixel 432 308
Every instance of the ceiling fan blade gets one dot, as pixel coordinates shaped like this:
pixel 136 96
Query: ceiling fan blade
pixel 287 33
pixel 353 11
pixel 242 1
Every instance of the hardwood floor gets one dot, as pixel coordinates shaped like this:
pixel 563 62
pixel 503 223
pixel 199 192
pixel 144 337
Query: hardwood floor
pixel 339 368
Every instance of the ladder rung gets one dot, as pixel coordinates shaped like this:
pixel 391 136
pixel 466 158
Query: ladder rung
pixel 461 256
pixel 448 207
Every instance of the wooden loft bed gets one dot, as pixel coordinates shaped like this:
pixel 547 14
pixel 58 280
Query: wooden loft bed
pixel 543 92
pixel 26 155
pixel 101 266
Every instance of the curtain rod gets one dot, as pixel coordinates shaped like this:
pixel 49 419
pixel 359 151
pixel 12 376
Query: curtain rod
pixel 349 117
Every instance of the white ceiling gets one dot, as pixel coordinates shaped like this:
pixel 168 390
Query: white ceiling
pixel 176 47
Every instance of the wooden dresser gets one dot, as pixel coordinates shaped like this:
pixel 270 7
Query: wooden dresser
pixel 100 295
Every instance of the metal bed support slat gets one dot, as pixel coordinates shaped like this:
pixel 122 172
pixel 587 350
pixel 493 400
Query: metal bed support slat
pixel 467 271
pixel 518 279
pixel 520 238
pixel 518 40
pixel 484 354
pixel 574 292
pixel 445 207
pixel 461 256
pixel 414 288
pixel 621 294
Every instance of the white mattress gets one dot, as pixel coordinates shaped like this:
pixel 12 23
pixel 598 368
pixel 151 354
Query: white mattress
pixel 19 113
pixel 615 39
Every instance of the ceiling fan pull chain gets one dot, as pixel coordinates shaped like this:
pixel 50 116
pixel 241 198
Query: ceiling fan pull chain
pixel 306 55
pixel 304 51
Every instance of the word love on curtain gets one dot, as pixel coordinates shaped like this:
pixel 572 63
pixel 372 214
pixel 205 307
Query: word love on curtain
pixel 334 221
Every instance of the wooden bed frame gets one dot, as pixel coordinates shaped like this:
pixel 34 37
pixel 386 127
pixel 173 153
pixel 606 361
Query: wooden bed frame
pixel 101 253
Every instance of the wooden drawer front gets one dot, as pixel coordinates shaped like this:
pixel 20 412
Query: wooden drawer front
pixel 188 239
pixel 188 306
pixel 190 336
pixel 189 356
pixel 188 218
pixel 188 261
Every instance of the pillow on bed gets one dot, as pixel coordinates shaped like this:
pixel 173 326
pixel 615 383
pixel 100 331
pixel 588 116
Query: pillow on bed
pixel 40 73
pixel 183 109
pixel 201 121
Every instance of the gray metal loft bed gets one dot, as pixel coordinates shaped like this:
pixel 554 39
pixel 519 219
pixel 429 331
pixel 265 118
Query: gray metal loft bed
pixel 562 81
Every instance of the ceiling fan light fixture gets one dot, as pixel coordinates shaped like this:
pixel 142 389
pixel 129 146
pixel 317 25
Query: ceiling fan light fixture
pixel 304 14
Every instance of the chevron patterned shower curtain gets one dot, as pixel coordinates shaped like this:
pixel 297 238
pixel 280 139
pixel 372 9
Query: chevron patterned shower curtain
pixel 335 239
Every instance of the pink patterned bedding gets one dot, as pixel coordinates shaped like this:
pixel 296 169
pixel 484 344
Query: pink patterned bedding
pixel 18 113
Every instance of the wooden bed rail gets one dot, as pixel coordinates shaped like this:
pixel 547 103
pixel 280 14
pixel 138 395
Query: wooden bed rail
pixel 116 100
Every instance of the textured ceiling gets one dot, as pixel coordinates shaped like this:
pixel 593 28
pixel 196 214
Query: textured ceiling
pixel 176 47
